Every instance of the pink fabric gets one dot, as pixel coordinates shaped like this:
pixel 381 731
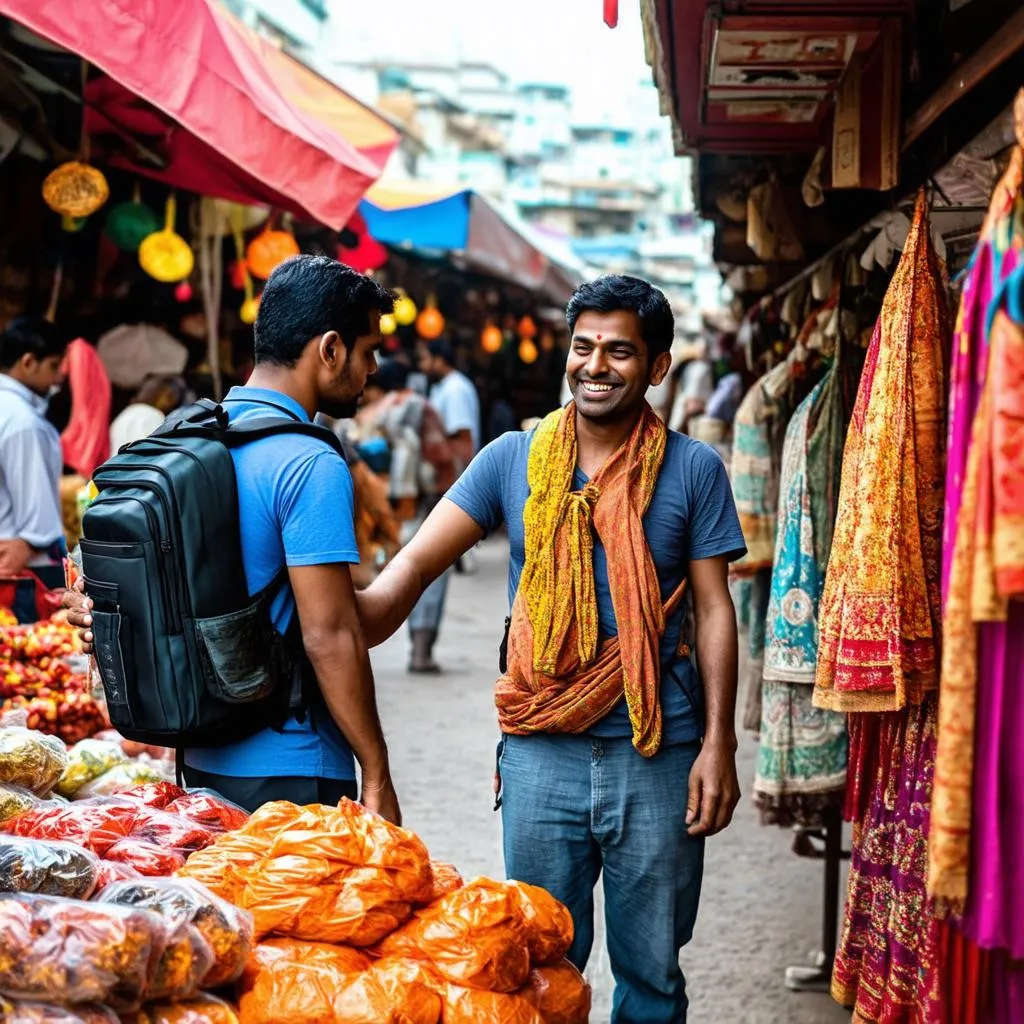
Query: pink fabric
pixel 204 71
pixel 86 439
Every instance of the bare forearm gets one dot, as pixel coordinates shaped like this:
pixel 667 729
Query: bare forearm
pixel 717 656
pixel 342 666
pixel 387 603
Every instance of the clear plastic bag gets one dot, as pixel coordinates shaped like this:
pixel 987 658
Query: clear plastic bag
pixel 170 830
pixel 148 859
pixel 227 929
pixel 16 800
pixel 12 1012
pixel 210 809
pixel 75 952
pixel 31 759
pixel 120 779
pixel 95 824
pixel 88 760
pixel 47 867
pixel 155 794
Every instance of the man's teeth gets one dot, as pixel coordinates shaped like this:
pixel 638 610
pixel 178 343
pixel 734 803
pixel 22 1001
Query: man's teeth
pixel 591 386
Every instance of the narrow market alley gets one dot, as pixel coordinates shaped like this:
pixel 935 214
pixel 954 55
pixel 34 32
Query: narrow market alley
pixel 760 910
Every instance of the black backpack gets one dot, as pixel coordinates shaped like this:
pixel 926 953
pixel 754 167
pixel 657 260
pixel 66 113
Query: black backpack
pixel 187 658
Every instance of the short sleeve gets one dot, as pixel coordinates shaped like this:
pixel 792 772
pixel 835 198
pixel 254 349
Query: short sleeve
pixel 316 511
pixel 458 409
pixel 478 492
pixel 714 525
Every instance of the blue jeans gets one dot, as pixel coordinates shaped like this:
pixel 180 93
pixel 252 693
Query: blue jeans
pixel 574 807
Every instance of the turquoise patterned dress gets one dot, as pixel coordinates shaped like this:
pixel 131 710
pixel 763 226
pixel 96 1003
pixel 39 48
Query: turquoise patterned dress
pixel 802 758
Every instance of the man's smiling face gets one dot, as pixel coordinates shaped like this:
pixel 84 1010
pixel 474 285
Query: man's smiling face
pixel 609 369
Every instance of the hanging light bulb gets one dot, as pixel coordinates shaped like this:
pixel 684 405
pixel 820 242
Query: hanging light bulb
pixel 527 351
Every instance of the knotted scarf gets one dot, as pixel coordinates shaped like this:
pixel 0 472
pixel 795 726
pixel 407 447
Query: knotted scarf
pixel 559 678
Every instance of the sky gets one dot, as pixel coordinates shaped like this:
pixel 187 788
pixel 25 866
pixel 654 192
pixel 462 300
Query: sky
pixel 560 41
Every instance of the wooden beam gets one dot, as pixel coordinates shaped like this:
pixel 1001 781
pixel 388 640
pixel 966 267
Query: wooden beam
pixel 1000 47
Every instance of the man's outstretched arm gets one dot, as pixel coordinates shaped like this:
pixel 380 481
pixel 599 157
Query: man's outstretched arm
pixel 446 535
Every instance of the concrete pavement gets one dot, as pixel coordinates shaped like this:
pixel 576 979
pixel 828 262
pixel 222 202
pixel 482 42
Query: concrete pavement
pixel 760 909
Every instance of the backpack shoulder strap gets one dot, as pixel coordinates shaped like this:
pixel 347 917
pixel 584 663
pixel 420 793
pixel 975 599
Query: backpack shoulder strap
pixel 270 426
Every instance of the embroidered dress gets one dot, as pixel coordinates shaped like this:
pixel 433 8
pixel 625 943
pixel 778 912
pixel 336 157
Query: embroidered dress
pixel 801 767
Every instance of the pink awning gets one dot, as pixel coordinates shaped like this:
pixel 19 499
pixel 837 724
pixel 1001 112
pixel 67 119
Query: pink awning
pixel 235 117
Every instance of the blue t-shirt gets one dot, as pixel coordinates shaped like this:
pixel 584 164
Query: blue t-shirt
pixel 295 503
pixel 691 516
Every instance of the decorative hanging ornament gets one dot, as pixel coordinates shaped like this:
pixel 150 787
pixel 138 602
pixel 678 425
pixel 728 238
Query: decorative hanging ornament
pixel 72 225
pixel 75 189
pixel 237 273
pixel 129 223
pixel 430 324
pixel 547 340
pixel 527 328
pixel 183 293
pixel 249 309
pixel 165 255
pixel 268 250
pixel 527 351
pixel 492 339
pixel 405 310
pixel 388 324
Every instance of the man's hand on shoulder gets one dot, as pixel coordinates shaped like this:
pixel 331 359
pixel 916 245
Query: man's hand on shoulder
pixel 79 609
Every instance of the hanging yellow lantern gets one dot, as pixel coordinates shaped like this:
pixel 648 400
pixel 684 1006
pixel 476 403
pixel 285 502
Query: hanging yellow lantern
pixel 405 310
pixel 270 249
pixel 430 324
pixel 247 314
pixel 165 255
pixel 527 351
pixel 75 189
pixel 492 339
pixel 388 324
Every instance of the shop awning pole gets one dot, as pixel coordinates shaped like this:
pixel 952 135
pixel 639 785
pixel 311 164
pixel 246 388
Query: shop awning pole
pixel 992 54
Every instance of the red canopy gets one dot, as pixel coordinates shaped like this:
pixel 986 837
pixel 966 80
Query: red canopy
pixel 235 117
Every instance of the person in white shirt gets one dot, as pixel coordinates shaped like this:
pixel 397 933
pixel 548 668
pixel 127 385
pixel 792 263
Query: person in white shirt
pixel 153 403
pixel 31 525
pixel 453 395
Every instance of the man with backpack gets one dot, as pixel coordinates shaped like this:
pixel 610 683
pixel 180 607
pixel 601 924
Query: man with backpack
pixel 267 693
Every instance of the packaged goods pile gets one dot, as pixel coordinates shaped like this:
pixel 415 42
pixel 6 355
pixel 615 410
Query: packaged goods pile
pixel 294 915
pixel 38 676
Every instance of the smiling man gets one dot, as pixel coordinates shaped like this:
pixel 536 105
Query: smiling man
pixel 615 759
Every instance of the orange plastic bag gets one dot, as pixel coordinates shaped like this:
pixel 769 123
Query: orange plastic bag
pixel 474 937
pixel 329 874
pixel 202 1009
pixel 290 982
pixel 560 994
pixel 446 879
pixel 549 927
pixel 44 1013
pixel 474 1006
pixel 390 992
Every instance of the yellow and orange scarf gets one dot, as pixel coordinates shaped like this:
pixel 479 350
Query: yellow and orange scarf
pixel 559 678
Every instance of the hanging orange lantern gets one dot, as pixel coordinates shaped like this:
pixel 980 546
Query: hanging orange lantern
pixel 491 339
pixel 527 351
pixel 75 190
pixel 430 324
pixel 268 250
pixel 547 340
pixel 527 328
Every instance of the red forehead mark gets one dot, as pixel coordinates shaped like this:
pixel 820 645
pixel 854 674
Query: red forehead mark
pixel 599 337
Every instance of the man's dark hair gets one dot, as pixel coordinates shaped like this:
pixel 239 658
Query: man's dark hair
pixel 391 376
pixel 30 336
pixel 307 296
pixel 618 292
pixel 442 349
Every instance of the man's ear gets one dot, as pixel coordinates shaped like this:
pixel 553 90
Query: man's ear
pixel 333 353
pixel 660 368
